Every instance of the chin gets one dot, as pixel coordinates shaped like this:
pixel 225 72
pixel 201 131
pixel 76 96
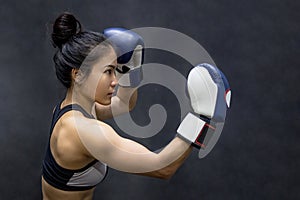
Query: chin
pixel 105 102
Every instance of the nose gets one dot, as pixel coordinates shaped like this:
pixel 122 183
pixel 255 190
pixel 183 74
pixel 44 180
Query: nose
pixel 114 81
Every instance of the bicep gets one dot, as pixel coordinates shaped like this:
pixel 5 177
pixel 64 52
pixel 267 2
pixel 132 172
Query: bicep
pixel 104 144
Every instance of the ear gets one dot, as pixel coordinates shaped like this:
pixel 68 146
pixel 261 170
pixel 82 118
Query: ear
pixel 74 73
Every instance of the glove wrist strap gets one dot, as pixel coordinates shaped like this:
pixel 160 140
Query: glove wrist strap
pixel 131 79
pixel 194 129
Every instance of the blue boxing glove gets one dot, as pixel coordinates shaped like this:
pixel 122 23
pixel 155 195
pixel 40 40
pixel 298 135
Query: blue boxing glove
pixel 210 96
pixel 227 88
pixel 129 47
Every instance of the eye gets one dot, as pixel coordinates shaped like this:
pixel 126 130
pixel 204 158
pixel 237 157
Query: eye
pixel 110 71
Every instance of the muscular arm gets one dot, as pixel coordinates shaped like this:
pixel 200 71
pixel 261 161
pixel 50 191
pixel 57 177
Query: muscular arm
pixel 126 155
pixel 168 171
pixel 123 102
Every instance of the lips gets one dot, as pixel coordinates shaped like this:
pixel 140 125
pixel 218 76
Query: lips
pixel 110 93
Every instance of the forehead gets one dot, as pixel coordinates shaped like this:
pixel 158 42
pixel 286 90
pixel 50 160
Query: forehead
pixel 103 54
pixel 106 57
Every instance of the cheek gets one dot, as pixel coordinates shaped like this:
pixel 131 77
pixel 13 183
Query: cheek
pixel 89 87
pixel 101 88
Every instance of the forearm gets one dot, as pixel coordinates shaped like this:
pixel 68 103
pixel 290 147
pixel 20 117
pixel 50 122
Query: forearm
pixel 174 154
pixel 128 96
pixel 123 102
pixel 168 171
pixel 145 161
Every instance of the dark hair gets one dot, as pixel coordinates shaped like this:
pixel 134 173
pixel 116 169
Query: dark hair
pixel 74 45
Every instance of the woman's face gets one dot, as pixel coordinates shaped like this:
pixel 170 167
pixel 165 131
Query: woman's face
pixel 102 81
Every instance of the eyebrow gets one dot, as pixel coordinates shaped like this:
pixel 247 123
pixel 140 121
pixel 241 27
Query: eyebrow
pixel 112 66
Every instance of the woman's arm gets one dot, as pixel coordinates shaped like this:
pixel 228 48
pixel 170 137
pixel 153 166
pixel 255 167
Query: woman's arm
pixel 123 102
pixel 104 144
pixel 168 171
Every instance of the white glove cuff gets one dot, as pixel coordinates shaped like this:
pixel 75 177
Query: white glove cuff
pixel 194 130
pixel 132 78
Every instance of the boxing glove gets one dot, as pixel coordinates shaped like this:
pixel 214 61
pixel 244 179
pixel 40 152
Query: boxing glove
pixel 129 47
pixel 210 94
pixel 227 88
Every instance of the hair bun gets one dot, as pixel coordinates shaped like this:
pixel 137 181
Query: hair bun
pixel 65 26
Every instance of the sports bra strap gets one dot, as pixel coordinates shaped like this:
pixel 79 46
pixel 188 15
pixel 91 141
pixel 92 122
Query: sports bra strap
pixel 58 113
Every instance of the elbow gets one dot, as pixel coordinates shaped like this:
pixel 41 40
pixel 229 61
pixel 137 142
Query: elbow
pixel 131 106
pixel 166 177
pixel 168 174
pixel 132 101
pixel 164 174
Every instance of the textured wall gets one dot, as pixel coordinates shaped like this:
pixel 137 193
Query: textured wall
pixel 255 43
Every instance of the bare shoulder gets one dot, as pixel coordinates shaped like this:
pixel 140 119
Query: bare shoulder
pixel 66 144
pixel 90 132
pixel 97 137
pixel 85 125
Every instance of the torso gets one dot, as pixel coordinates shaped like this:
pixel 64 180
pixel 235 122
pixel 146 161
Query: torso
pixel 51 193
pixel 69 153
pixel 65 144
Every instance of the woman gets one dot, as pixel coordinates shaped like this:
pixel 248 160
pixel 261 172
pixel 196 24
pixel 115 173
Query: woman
pixel 80 145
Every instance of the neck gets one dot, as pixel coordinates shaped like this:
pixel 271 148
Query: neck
pixel 73 97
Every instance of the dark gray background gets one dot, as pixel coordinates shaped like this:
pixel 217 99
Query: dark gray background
pixel 255 43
